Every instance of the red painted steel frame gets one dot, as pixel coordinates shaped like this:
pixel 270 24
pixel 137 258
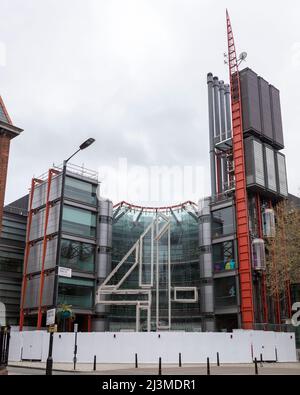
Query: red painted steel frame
pixel 44 250
pixel 135 207
pixel 34 182
pixel 27 250
pixel 242 223
pixel 277 299
pixel 286 272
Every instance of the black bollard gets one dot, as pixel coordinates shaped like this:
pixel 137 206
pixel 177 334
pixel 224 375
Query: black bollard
pixel 256 367
pixel 180 364
pixel 218 359
pixel 95 363
pixel 136 361
pixel 208 367
pixel 261 360
pixel 159 367
pixel 49 363
pixel 276 355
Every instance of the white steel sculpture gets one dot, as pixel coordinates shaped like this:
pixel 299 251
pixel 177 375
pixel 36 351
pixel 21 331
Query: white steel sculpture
pixel 141 297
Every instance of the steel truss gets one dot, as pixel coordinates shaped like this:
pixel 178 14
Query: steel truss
pixel 241 200
pixel 30 243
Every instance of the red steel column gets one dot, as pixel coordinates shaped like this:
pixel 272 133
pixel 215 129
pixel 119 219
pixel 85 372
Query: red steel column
pixel 26 254
pixel 45 241
pixel 242 222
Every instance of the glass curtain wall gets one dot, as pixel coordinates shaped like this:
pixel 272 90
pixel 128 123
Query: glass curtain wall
pixel 79 221
pixel 223 257
pixel 76 292
pixel 184 268
pixel 77 255
pixel 81 191
pixel 223 222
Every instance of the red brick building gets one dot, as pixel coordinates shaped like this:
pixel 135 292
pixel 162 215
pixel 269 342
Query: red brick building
pixel 7 132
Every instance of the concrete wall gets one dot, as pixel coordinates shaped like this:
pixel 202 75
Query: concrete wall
pixel 236 347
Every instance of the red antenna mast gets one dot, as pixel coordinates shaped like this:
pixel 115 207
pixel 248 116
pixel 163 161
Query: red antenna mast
pixel 241 201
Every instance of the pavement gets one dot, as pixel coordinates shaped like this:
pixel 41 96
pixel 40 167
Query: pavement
pixel 38 368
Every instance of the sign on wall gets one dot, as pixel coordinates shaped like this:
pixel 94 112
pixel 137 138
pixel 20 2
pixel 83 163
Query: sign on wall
pixel 50 317
pixel 64 272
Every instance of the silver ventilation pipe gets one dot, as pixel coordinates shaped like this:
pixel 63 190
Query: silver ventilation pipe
pixel 103 259
pixel 222 110
pixel 228 111
pixel 216 86
pixel 210 83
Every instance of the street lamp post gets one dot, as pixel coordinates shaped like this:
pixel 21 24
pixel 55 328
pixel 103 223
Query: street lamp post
pixel 83 146
pixel 75 346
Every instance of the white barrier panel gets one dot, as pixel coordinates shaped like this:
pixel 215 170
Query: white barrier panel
pixel 30 346
pixel 285 343
pixel 236 347
pixel 264 346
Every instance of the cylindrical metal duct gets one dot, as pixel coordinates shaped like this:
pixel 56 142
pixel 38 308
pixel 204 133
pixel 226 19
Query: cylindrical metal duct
pixel 206 266
pixel 228 111
pixel 269 223
pixel 222 111
pixel 210 83
pixel 216 86
pixel 258 255
pixel 103 259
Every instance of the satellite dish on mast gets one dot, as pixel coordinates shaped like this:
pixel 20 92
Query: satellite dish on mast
pixel 243 56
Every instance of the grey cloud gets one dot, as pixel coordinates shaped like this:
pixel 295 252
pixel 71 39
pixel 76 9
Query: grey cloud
pixel 132 74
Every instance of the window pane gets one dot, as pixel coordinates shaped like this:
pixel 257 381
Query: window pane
pixel 78 221
pixel 76 292
pixel 225 292
pixel 223 257
pixel 80 190
pixel 77 256
pixel 223 222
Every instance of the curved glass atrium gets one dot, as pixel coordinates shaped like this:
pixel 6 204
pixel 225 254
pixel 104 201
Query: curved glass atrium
pixel 159 255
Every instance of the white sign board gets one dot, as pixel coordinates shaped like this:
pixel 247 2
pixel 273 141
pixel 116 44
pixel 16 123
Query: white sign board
pixel 50 317
pixel 65 272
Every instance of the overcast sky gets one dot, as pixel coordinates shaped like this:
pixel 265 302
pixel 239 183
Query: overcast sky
pixel 132 74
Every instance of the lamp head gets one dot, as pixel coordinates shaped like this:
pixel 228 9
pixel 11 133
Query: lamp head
pixel 87 143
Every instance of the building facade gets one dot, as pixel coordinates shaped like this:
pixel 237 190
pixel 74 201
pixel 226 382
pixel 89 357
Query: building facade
pixel 7 132
pixel 60 253
pixel 265 180
pixel 189 267
pixel 131 268
pixel 12 246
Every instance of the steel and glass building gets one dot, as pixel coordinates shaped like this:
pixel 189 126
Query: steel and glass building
pixel 12 244
pixel 189 267
pixel 61 241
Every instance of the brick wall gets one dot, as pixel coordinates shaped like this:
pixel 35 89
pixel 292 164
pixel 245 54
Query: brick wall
pixel 4 154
